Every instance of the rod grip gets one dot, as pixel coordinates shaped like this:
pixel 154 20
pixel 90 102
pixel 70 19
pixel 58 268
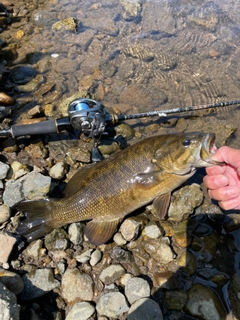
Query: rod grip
pixel 43 127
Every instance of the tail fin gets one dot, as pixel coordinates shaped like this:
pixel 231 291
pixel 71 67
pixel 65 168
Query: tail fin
pixel 38 218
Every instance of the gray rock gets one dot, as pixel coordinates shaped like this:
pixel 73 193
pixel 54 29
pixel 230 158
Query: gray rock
pixel 152 230
pixel 75 232
pixel 130 229
pixel 3 170
pixel 76 285
pixel 8 304
pixel 95 257
pixel 57 240
pixel 161 252
pixel 12 281
pixel 145 309
pixel 111 273
pixel 112 305
pixel 59 170
pixel 33 249
pixel 32 185
pixel 81 311
pixel 37 283
pixel 85 256
pixel 137 288
pixel 5 213
pixel 6 245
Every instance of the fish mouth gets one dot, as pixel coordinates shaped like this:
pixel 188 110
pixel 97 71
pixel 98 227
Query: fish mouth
pixel 209 149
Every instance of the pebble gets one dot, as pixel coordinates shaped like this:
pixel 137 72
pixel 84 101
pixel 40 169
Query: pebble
pixel 137 288
pixel 5 213
pixel 37 283
pixel 112 305
pixel 31 186
pixel 12 281
pixel 6 100
pixel 152 230
pixel 130 229
pixel 57 240
pixel 8 304
pixel 95 257
pixel 76 285
pixel 125 278
pixel 17 170
pixel 111 273
pixel 85 256
pixel 33 249
pixel 81 311
pixel 143 309
pixel 75 232
pixel 118 238
pixel 7 243
pixel 159 251
pixel 3 170
pixel 59 170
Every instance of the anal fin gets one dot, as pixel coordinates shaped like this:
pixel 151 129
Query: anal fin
pixel 99 232
pixel 161 205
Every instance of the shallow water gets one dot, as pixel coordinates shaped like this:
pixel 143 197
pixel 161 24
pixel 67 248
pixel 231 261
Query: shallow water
pixel 132 55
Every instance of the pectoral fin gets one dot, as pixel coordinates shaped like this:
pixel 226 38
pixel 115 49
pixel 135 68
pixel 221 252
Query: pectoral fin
pixel 161 205
pixel 99 232
pixel 148 179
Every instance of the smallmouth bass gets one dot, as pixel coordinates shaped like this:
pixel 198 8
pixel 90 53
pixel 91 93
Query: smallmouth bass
pixel 107 191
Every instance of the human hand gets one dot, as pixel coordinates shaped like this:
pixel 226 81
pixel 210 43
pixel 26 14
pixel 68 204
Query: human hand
pixel 223 181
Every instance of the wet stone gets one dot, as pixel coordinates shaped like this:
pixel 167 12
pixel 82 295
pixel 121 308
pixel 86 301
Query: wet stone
pixel 37 283
pixel 7 243
pixel 76 285
pixel 143 309
pixel 137 288
pixel 31 186
pixel 204 303
pixel 112 305
pixel 11 280
pixel 187 262
pixel 80 311
pixel 111 273
pixel 175 299
pixel 234 293
pixel 65 24
pixel 22 74
pixel 8 304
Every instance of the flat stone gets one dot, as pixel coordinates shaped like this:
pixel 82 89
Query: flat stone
pixel 137 288
pixel 112 305
pixel 111 273
pixel 6 245
pixel 81 311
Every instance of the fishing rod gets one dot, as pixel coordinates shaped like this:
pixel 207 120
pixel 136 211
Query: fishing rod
pixel 90 117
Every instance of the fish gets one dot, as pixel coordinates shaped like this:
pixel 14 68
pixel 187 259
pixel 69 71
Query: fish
pixel 102 194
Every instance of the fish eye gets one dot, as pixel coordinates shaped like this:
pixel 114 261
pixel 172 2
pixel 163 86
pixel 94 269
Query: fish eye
pixel 186 142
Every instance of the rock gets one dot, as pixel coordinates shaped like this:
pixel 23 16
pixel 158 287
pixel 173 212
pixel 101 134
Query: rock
pixel 76 285
pixel 204 303
pixel 22 74
pixel 68 24
pixel 59 170
pixel 37 283
pixel 32 85
pixel 11 280
pixel 75 232
pixel 17 170
pixel 3 170
pixel 143 309
pixel 112 305
pixel 33 249
pixel 125 278
pixel 125 131
pixel 234 294
pixel 80 311
pixel 187 262
pixel 185 201
pixel 111 273
pixel 31 186
pixel 6 100
pixel 85 256
pixel 137 288
pixel 10 310
pixel 129 229
pixel 152 230
pixel 95 257
pixel 7 243
pixel 175 299
pixel 5 213
pixel 159 251
pixel 57 240
pixel 131 9
pixel 118 238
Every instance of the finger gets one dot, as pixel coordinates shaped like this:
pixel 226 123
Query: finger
pixel 228 155
pixel 230 204
pixel 215 170
pixel 216 181
pixel 225 193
